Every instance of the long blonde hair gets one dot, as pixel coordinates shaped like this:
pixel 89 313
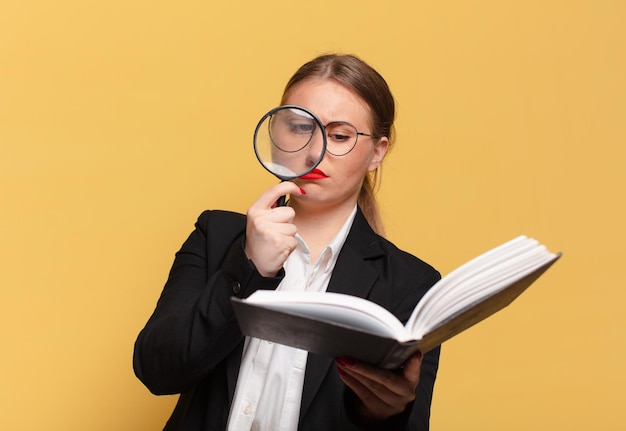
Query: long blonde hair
pixel 365 81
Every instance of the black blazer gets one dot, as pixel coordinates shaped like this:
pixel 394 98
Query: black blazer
pixel 192 346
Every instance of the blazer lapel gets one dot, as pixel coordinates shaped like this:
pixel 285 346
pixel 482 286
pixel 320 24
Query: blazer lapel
pixel 353 276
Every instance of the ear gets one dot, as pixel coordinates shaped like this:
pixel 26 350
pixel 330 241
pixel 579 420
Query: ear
pixel 380 149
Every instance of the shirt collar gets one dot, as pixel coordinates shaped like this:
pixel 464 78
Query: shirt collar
pixel 328 257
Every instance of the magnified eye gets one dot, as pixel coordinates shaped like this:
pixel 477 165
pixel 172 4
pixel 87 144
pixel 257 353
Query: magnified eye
pixel 283 138
pixel 301 128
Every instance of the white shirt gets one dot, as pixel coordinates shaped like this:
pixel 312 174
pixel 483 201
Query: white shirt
pixel 271 376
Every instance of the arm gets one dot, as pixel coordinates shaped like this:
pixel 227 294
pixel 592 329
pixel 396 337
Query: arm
pixel 192 328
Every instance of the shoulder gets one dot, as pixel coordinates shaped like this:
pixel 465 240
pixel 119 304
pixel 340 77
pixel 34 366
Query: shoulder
pixel 219 222
pixel 215 230
pixel 221 216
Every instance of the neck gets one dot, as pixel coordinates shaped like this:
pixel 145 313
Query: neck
pixel 318 226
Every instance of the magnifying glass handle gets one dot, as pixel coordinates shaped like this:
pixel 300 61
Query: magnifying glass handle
pixel 282 201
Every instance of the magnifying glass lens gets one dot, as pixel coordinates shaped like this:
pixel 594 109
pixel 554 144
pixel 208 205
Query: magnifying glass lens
pixel 289 142
pixel 290 130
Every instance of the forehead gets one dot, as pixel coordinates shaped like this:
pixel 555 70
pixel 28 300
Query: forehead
pixel 329 100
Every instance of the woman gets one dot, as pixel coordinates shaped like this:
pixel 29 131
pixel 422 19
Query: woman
pixel 324 240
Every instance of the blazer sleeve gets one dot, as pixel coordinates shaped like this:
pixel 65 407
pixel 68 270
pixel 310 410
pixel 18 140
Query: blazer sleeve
pixel 192 328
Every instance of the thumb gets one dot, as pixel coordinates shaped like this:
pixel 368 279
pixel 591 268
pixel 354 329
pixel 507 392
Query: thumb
pixel 412 368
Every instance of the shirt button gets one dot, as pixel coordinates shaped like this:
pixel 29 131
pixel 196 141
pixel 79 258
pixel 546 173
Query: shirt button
pixel 247 410
pixel 236 286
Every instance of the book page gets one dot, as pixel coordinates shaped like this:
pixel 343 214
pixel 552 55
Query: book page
pixel 336 307
pixel 476 280
pixel 486 279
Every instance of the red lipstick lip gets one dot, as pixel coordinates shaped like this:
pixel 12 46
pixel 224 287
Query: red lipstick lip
pixel 315 174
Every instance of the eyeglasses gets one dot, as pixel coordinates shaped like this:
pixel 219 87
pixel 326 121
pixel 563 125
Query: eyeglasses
pixel 342 137
pixel 291 129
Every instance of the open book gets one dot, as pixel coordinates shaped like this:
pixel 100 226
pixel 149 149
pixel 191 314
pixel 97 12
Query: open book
pixel 335 324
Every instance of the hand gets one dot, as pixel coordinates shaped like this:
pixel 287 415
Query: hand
pixel 383 393
pixel 270 232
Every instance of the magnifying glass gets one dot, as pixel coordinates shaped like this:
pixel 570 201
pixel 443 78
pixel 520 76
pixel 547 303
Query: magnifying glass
pixel 290 142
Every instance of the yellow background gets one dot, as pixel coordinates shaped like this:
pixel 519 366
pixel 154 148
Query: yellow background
pixel 121 120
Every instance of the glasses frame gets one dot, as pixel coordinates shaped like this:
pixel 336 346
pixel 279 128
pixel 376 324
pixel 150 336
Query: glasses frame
pixel 356 139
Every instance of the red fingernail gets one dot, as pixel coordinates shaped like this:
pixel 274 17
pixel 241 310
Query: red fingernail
pixel 302 191
pixel 345 362
pixel 341 372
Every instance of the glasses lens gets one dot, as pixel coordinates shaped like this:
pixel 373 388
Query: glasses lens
pixel 341 138
pixel 291 130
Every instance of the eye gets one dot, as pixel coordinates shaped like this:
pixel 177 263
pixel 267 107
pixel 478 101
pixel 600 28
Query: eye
pixel 338 137
pixel 341 132
pixel 301 128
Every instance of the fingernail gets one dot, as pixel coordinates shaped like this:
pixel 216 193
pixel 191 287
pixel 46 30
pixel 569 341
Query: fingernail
pixel 345 362
pixel 341 372
pixel 302 191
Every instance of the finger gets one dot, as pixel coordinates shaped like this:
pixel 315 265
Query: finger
pixel 386 384
pixel 372 405
pixel 282 214
pixel 269 222
pixel 412 368
pixel 366 372
pixel 285 229
pixel 268 199
pixel 390 392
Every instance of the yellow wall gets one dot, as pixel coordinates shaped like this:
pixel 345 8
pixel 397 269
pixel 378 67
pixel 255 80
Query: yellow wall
pixel 121 120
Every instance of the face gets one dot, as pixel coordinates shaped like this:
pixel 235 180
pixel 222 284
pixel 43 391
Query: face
pixel 337 179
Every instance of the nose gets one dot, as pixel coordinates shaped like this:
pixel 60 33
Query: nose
pixel 316 149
